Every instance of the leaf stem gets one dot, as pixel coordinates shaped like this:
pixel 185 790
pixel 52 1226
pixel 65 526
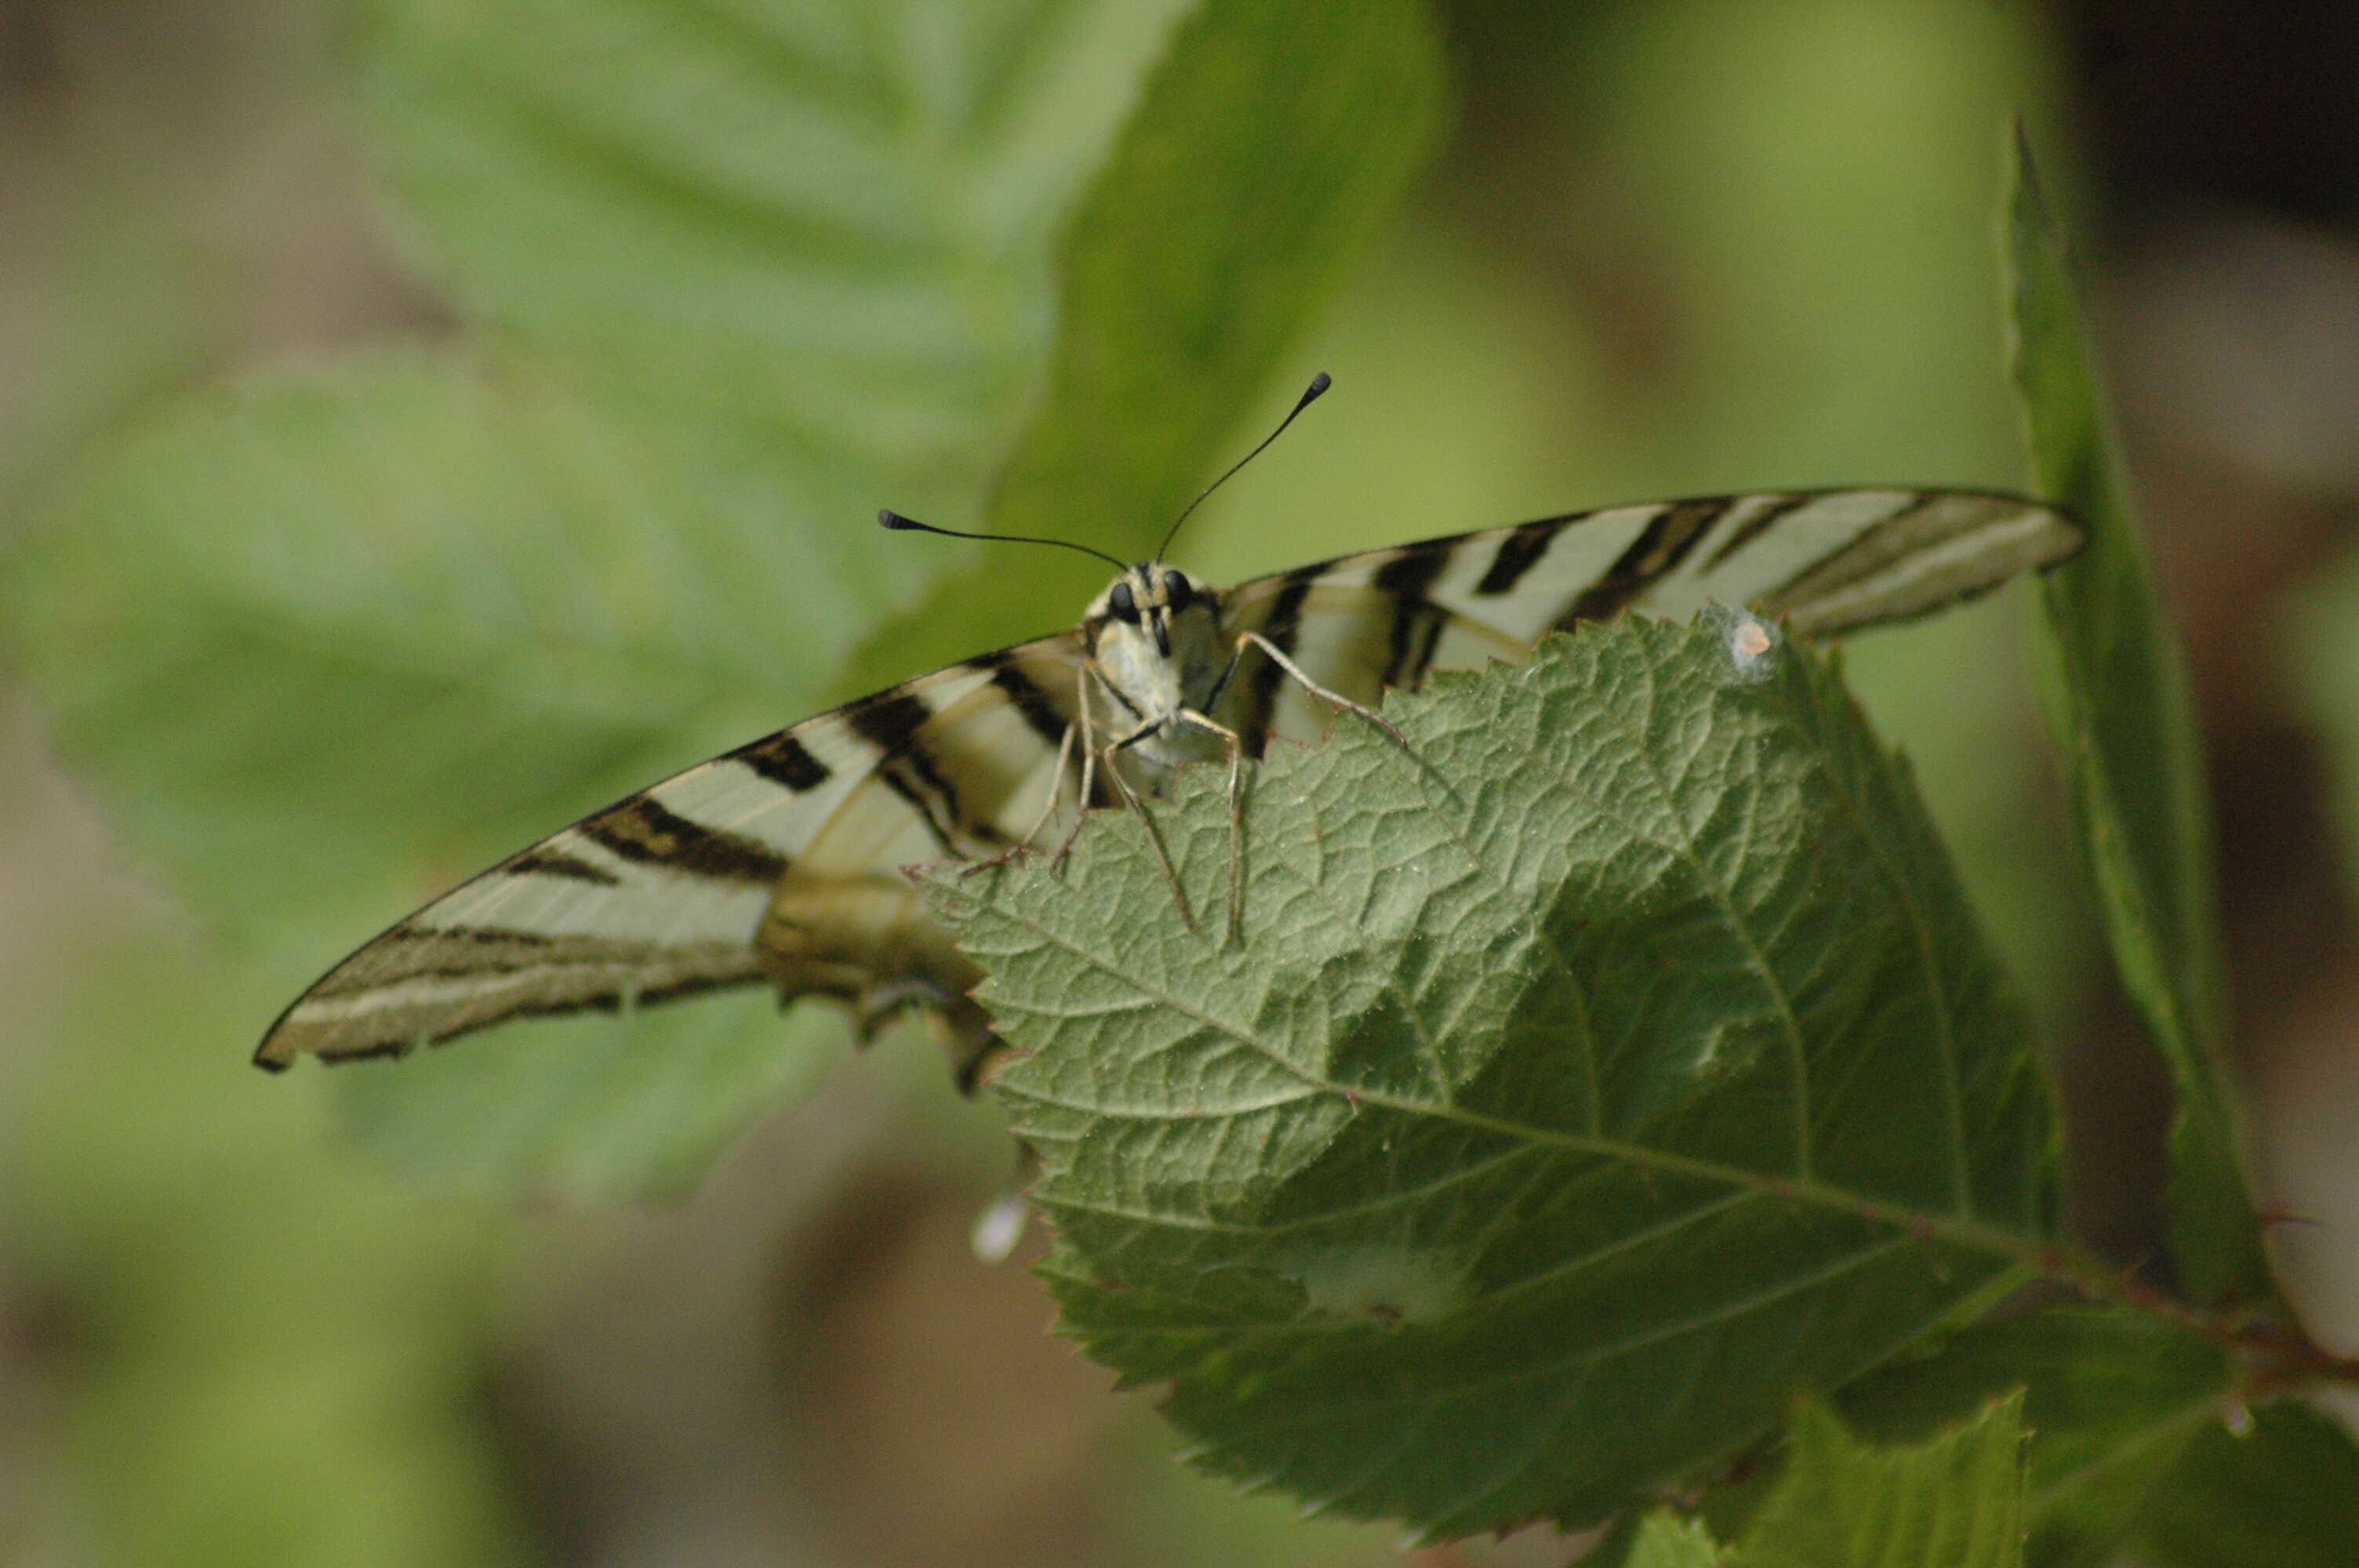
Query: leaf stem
pixel 2279 1356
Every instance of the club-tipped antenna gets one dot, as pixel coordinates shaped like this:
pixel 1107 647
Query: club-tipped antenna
pixel 1319 384
pixel 894 519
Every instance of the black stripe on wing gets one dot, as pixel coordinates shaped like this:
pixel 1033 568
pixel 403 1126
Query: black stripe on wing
pixel 1044 713
pixel 891 722
pixel 783 759
pixel 549 861
pixel 1417 621
pixel 1519 552
pixel 1281 626
pixel 1931 549
pixel 691 862
pixel 1657 550
pixel 643 831
pixel 1844 559
pixel 1752 528
pixel 1031 700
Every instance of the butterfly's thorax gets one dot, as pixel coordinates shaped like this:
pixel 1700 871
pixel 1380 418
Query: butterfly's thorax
pixel 1155 640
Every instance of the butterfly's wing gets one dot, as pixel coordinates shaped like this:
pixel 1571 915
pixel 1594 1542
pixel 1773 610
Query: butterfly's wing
pixel 1822 561
pixel 778 862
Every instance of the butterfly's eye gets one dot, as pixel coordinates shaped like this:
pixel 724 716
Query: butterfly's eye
pixel 1121 605
pixel 1178 592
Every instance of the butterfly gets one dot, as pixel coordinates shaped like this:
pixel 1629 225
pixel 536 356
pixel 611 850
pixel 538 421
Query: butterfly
pixel 780 863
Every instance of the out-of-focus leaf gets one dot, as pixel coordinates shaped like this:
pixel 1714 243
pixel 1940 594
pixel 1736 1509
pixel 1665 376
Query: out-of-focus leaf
pixel 2121 719
pixel 2323 667
pixel 326 640
pixel 1264 153
pixel 1589 1076
pixel 1660 1540
pixel 2285 1494
pixel 2112 1399
pixel 1955 1501
pixel 733 273
pixel 827 225
pixel 589 1107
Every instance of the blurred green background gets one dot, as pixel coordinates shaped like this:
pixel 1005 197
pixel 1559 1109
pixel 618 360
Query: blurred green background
pixel 1664 248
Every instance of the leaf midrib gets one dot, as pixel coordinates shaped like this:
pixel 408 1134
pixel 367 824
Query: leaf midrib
pixel 1961 1230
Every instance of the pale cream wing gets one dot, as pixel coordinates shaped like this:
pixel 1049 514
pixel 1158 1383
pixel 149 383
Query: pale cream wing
pixel 1825 562
pixel 778 862
pixel 968 776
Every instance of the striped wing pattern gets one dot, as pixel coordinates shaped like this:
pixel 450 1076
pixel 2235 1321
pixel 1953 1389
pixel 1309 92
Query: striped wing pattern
pixel 1825 562
pixel 775 862
pixel 779 862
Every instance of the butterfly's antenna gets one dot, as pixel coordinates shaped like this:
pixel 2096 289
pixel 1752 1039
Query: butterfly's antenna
pixel 1319 384
pixel 892 519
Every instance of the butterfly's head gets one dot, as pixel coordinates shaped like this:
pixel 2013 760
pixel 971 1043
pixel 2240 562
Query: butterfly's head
pixel 1156 605
pixel 1155 632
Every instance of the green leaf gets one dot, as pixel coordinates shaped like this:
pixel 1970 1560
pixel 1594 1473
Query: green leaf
pixel 1953 1502
pixel 2122 717
pixel 2322 668
pixel 1266 151
pixel 830 225
pixel 2285 1494
pixel 1663 1539
pixel 1592 1074
pixel 585 1108
pixel 2113 1399
pixel 327 637
pixel 317 684
pixel 730 273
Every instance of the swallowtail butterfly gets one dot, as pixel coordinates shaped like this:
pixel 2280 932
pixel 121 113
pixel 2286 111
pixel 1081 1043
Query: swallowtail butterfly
pixel 779 864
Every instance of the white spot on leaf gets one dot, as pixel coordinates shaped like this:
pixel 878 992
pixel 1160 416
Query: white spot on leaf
pixel 1750 642
pixel 1385 1285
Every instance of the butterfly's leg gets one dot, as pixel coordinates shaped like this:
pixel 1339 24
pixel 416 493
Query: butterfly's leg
pixel 1236 749
pixel 1139 809
pixel 1315 689
pixel 1047 809
pixel 1088 725
pixel 1056 787
pixel 1236 657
